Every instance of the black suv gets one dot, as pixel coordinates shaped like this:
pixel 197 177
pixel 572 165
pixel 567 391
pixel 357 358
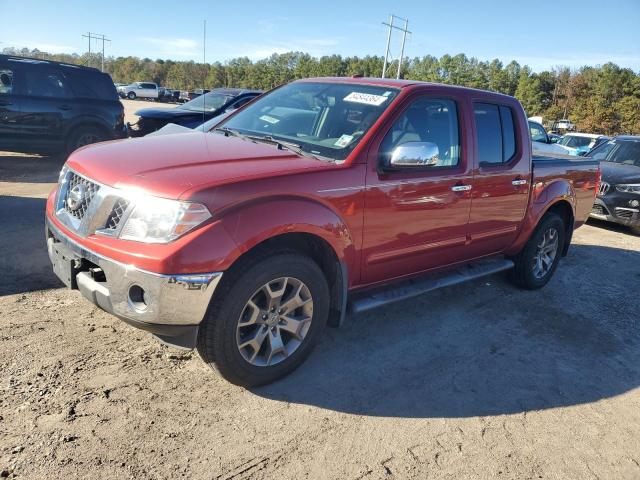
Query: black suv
pixel 618 198
pixel 48 107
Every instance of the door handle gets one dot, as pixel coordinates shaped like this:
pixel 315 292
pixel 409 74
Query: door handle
pixel 518 181
pixel 461 188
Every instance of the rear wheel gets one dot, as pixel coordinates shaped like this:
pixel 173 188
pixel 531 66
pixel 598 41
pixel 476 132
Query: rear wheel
pixel 84 136
pixel 265 320
pixel 538 260
pixel 131 95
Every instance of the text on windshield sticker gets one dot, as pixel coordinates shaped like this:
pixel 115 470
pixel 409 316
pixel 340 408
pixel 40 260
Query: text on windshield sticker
pixel 366 98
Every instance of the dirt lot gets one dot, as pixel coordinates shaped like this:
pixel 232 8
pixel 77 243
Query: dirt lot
pixel 498 383
pixel 132 106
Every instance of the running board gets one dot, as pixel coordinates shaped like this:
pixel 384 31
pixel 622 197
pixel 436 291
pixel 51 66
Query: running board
pixel 361 302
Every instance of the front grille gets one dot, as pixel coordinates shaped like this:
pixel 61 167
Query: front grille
pixel 116 214
pixel 84 192
pixel 625 213
pixel 603 188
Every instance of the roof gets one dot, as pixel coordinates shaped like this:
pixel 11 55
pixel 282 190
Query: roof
pixel 395 83
pixel 39 61
pixel 587 135
pixel 234 91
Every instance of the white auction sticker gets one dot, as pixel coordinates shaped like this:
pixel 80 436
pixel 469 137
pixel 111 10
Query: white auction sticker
pixel 366 98
pixel 343 141
pixel 268 119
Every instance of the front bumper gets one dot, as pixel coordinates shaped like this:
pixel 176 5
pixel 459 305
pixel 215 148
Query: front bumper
pixel 169 306
pixel 615 208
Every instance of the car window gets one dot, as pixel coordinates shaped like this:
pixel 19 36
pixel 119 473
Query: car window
pixel 209 102
pixel 489 134
pixel 87 84
pixel 6 81
pixel 427 120
pixel 537 133
pixel 325 119
pixel 41 82
pixel 627 153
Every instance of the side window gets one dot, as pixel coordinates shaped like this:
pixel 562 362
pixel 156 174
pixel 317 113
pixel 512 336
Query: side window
pixel 45 83
pixel 495 133
pixel 6 81
pixel 537 134
pixel 427 120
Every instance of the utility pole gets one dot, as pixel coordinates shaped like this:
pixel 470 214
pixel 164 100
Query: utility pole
pixel 404 38
pixel 96 36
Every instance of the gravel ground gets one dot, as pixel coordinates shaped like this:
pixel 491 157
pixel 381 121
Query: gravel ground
pixel 476 381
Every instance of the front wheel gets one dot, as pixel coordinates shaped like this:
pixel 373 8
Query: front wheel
pixel 131 95
pixel 538 260
pixel 265 320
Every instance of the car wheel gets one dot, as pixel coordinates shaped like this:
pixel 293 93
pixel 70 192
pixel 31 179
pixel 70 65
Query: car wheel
pixel 131 95
pixel 265 319
pixel 84 136
pixel 538 260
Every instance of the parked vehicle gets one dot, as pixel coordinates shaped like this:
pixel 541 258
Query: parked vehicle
pixel 197 92
pixel 580 143
pixel 563 124
pixel 193 113
pixel 541 140
pixel 48 107
pixel 554 137
pixel 320 197
pixel 139 90
pixel 618 196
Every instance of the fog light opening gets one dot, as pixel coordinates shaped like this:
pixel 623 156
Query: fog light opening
pixel 138 298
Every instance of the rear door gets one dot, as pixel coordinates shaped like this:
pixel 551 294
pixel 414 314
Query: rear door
pixel 501 184
pixel 9 106
pixel 416 217
pixel 47 105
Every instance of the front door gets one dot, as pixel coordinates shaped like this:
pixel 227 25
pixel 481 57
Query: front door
pixel 9 108
pixel 416 217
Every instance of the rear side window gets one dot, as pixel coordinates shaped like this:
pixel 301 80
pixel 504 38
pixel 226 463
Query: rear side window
pixel 495 133
pixel 88 84
pixel 6 81
pixel 43 82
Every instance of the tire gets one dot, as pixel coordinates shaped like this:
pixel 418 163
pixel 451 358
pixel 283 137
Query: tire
pixel 228 345
pixel 131 95
pixel 531 271
pixel 82 136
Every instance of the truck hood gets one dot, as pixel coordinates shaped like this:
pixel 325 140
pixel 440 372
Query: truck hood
pixel 615 173
pixel 170 165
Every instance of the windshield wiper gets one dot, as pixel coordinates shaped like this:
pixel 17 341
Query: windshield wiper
pixel 284 145
pixel 233 133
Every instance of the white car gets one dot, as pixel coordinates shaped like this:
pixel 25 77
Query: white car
pixel 139 90
pixel 540 140
pixel 564 124
pixel 579 143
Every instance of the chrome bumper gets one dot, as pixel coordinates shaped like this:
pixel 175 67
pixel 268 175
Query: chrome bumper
pixel 171 307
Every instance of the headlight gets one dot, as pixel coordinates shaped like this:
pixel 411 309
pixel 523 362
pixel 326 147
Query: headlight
pixel 158 220
pixel 629 188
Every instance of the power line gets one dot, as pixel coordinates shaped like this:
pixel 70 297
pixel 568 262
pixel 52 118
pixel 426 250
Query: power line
pixel 404 37
pixel 96 36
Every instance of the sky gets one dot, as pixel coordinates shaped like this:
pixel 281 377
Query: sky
pixel 541 34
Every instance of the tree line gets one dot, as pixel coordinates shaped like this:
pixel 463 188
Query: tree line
pixel 602 99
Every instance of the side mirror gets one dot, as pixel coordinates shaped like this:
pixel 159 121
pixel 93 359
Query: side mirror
pixel 415 154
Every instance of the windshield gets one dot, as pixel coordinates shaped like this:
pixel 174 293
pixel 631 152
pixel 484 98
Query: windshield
pixel 626 152
pixel 325 119
pixel 208 102
pixel 575 142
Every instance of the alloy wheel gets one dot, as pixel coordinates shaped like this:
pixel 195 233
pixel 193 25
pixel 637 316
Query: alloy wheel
pixel 546 252
pixel 274 322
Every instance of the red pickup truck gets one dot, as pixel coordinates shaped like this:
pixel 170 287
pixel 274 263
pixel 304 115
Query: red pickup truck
pixel 324 196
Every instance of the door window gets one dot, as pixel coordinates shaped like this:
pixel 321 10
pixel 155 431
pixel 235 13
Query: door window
pixel 495 134
pixel 45 83
pixel 427 120
pixel 6 81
